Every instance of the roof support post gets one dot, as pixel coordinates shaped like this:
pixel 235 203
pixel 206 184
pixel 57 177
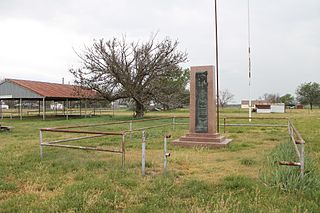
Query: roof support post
pixel 68 105
pixel 94 108
pixel 80 108
pixel 39 108
pixel 44 109
pixel 1 114
pixel 85 108
pixel 20 108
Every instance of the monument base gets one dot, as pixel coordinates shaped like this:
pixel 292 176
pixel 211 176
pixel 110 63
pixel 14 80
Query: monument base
pixel 202 140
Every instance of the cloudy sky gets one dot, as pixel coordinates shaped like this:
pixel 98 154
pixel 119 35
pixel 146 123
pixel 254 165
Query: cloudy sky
pixel 38 37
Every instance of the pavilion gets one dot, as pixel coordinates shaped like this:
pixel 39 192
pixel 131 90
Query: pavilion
pixel 25 90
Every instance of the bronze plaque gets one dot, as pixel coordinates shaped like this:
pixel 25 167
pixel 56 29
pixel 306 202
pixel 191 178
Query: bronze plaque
pixel 201 102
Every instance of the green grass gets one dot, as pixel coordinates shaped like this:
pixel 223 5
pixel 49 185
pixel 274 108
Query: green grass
pixel 241 178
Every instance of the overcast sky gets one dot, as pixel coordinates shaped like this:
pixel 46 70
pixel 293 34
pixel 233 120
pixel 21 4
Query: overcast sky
pixel 37 37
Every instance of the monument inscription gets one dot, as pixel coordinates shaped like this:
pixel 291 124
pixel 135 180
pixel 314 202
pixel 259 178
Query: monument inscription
pixel 201 102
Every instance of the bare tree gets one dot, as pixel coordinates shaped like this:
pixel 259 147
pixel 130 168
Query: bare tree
pixel 117 69
pixel 225 96
pixel 272 98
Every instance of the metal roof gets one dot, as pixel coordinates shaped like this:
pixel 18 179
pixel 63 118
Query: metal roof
pixel 54 90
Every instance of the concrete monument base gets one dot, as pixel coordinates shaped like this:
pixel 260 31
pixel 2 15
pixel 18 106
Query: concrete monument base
pixel 202 140
pixel 202 125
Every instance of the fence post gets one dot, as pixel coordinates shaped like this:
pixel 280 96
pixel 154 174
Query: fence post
pixel 40 144
pixel 173 122
pixel 224 125
pixel 302 160
pixel 123 150
pixel 130 129
pixel 143 154
pixel 165 154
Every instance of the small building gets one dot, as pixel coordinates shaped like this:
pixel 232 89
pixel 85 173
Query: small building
pixel 270 108
pixel 278 108
pixel 25 90
pixel 245 103
pixel 263 108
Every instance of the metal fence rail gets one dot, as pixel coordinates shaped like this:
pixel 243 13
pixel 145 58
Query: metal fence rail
pixel 294 136
pixel 94 134
pixel 298 142
pixel 225 119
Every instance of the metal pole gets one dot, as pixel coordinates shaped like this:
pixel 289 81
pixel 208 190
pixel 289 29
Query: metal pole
pixel 130 129
pixel 249 63
pixel 67 116
pixel 85 109
pixel 1 109
pixel 123 150
pixel 143 154
pixel 217 60
pixel 173 122
pixel 20 109
pixel 39 108
pixel 165 154
pixel 112 109
pixel 43 109
pixel 302 160
pixel 40 144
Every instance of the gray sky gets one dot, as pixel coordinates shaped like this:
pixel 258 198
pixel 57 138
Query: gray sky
pixel 37 37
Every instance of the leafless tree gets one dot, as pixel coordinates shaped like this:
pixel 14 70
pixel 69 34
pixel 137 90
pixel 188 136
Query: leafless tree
pixel 117 69
pixel 272 98
pixel 225 96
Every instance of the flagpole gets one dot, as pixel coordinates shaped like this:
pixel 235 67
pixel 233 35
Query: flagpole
pixel 217 62
pixel 249 65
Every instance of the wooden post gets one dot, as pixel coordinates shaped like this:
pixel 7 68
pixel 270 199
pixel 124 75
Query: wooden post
pixel 80 108
pixel 143 154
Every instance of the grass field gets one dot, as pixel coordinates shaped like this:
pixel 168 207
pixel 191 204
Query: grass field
pixel 241 178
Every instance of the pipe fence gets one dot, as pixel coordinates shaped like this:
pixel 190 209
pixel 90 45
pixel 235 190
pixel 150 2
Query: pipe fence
pixel 97 134
pixel 298 143
pixel 294 136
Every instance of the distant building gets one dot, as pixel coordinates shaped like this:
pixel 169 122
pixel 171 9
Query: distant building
pixel 270 108
pixel 245 103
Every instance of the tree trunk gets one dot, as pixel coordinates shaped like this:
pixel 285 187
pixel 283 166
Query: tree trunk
pixel 139 110
pixel 311 106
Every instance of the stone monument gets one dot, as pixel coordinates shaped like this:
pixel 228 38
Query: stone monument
pixel 202 127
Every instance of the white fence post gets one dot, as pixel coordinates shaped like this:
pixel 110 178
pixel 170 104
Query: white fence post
pixel 130 129
pixel 165 154
pixel 173 122
pixel 40 144
pixel 143 154
pixel 302 160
